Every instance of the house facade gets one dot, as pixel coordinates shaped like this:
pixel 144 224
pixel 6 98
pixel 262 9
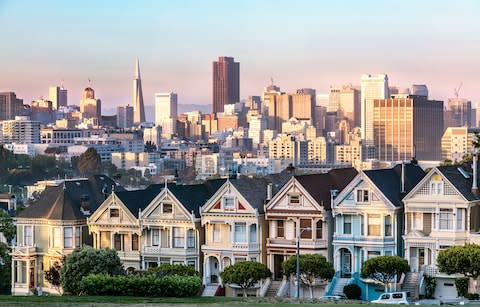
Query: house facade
pixel 443 210
pixel 301 209
pixel 51 228
pixel 234 225
pixel 368 217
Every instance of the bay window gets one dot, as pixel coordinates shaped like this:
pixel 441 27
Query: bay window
pixel 446 219
pixel 178 237
pixel 374 224
pixel 240 232
pixel 68 237
pixel 28 235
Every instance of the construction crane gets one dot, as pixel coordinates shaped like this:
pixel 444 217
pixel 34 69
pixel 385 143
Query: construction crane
pixel 456 91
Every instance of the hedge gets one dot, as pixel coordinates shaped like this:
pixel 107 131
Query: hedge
pixel 146 285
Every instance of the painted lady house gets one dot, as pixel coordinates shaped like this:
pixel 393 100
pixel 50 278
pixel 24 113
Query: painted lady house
pixel 443 210
pixel 52 227
pixel 302 209
pixel 368 217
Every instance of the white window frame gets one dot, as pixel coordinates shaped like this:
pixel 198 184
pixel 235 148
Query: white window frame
pixel 78 236
pixel 178 234
pixel 191 238
pixel 390 219
pixel 163 208
pixel 155 237
pixel 445 215
pixel 361 194
pixel 460 219
pixel 347 220
pixel 227 206
pixel 374 217
pixel 417 221
pixel 436 187
pixel 68 237
pixel 216 233
pixel 57 237
pixel 27 240
pixel 240 236
pixel 294 199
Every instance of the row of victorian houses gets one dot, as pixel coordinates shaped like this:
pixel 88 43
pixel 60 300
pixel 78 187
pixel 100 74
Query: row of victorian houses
pixel 345 215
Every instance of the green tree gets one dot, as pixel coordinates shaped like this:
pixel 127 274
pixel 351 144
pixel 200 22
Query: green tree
pixel 245 274
pixel 7 227
pixel 384 269
pixel 312 267
pixel 85 261
pixel 52 275
pixel 5 269
pixel 460 259
pixel 89 162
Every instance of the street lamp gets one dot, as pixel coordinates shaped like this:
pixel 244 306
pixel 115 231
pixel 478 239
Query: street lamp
pixel 298 260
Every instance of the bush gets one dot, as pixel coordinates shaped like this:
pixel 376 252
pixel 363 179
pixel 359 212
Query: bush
pixel 430 285
pixel 352 291
pixel 167 269
pixel 85 261
pixel 472 296
pixel 461 283
pixel 137 285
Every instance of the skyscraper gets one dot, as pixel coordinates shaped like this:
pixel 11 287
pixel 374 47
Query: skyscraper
pixel 58 96
pixel 10 106
pixel 459 113
pixel 372 87
pixel 166 112
pixel 125 117
pixel 138 107
pixel 407 126
pixel 226 83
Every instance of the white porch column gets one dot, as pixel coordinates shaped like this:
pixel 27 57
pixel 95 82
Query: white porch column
pixel 273 229
pixel 314 229
pixel 28 274
pixel 248 232
pixel 185 235
pixel 232 232
pixel 206 271
pixel 170 229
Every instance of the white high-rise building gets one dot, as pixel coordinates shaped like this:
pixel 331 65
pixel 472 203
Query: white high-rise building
pixel 166 112
pixel 58 95
pixel 21 130
pixel 372 87
pixel 256 127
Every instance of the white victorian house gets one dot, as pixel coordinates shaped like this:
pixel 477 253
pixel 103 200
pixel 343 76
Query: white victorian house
pixel 368 217
pixel 443 210
pixel 235 228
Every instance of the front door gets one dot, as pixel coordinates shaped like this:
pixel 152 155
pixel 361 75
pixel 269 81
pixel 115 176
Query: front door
pixel 278 267
pixel 346 261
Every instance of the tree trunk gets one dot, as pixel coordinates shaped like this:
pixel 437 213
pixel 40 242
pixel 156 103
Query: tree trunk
pixel 244 292
pixel 310 287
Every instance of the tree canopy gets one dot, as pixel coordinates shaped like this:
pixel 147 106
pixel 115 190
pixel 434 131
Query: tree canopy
pixel 384 268
pixel 245 274
pixel 85 261
pixel 167 269
pixel 7 227
pixel 89 162
pixel 312 267
pixel 460 259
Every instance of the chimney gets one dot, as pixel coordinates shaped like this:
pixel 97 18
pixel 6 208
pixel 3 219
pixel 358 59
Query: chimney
pixel 269 191
pixel 403 178
pixel 474 167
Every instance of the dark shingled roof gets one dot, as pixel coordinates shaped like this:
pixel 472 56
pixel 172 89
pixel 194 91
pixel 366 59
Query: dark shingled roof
pixel 462 184
pixel 254 190
pixel 320 185
pixel 389 181
pixel 63 202
pixel 139 199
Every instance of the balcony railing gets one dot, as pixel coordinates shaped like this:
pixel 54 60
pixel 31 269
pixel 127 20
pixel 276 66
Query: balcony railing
pixel 244 247
pixel 129 255
pixel 157 250
pixel 304 243
pixel 363 238
pixel 24 250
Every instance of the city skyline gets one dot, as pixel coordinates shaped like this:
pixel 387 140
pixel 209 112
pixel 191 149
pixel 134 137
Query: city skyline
pixel 430 44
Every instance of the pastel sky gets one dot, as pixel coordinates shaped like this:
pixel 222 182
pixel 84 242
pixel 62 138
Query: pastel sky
pixel 299 43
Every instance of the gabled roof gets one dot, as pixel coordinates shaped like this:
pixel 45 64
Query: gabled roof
pixel 63 202
pixel 254 190
pixel 389 181
pixel 192 197
pixel 320 185
pixel 139 199
pixel 462 184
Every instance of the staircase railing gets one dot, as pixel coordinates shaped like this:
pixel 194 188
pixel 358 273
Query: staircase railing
pixel 284 287
pixel 333 283
pixel 265 287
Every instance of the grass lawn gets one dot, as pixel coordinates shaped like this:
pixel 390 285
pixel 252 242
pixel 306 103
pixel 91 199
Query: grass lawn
pixel 104 301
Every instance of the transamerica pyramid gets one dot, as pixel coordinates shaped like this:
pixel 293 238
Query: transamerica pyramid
pixel 138 107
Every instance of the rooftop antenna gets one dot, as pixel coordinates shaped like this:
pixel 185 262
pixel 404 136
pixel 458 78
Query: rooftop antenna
pixel 271 81
pixel 456 91
pixel 61 83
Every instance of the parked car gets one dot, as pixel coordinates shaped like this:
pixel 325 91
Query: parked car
pixel 396 298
